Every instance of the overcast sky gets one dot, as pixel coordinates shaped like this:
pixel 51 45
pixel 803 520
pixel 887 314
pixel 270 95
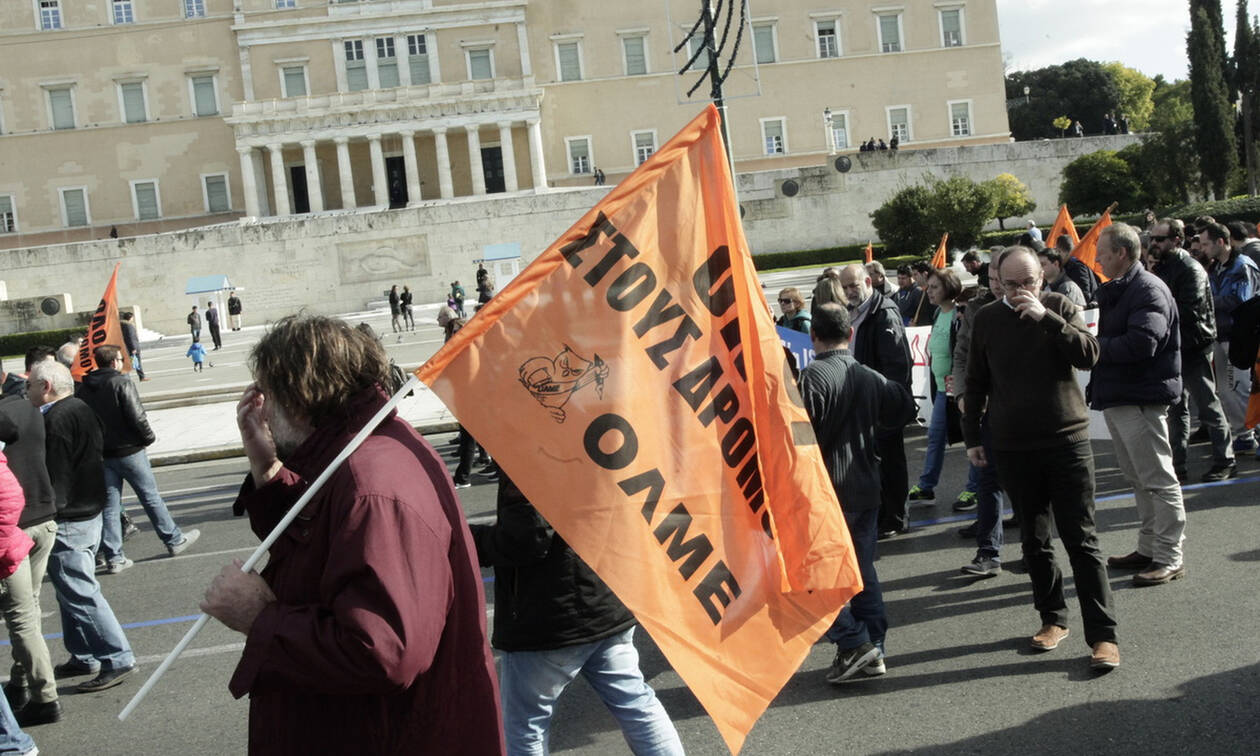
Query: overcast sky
pixel 1149 35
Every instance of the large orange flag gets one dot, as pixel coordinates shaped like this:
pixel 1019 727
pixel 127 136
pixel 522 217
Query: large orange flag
pixel 1063 225
pixel 940 260
pixel 105 328
pixel 1087 249
pixel 632 384
pixel 869 254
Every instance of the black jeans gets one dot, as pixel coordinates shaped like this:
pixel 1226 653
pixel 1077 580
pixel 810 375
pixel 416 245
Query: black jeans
pixel 894 481
pixel 1057 485
pixel 467 450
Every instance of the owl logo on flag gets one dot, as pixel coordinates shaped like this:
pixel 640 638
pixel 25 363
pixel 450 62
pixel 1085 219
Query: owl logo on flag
pixel 552 381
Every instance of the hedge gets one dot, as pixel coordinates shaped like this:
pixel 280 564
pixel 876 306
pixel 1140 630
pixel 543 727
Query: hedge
pixel 18 343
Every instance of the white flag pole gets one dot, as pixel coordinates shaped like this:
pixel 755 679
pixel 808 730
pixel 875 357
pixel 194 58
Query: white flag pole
pixel 271 538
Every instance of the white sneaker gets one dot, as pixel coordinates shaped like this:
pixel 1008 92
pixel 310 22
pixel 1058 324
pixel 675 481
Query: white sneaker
pixel 190 537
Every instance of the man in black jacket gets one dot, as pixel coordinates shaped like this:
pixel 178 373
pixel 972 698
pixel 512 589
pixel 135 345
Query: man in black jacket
pixel 234 310
pixel 1188 281
pixel 116 402
pixel 73 442
pixel 212 322
pixel 132 343
pixel 879 342
pixel 554 618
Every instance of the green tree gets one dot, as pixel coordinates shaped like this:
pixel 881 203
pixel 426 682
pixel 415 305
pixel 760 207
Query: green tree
pixel 1135 90
pixel 1011 198
pixel 902 222
pixel 1092 182
pixel 1246 80
pixel 1080 89
pixel 1213 117
pixel 1169 163
pixel 1061 123
pixel 960 207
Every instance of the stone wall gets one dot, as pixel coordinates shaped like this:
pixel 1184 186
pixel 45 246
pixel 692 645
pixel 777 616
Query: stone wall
pixel 338 262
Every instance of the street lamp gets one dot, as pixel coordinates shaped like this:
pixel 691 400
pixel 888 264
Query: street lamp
pixel 831 142
pixel 1026 91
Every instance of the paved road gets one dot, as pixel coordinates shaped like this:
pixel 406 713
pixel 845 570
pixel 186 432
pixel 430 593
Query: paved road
pixel 960 678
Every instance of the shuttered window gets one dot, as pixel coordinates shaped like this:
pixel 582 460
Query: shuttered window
pixel 62 108
pixel 146 200
pixel 479 66
pixel 133 102
pixel 294 81
pixel 570 61
pixel 203 96
pixel 636 55
pixel 356 66
pixel 418 58
pixel 763 43
pixel 8 219
pixel 386 63
pixel 217 194
pixel 76 207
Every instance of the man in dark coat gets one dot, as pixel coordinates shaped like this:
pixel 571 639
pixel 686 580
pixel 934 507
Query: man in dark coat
pixel 234 311
pixel 194 323
pixel 366 631
pixel 554 618
pixel 132 343
pixel 212 322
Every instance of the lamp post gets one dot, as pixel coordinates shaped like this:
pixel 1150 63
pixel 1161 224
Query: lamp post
pixel 1026 91
pixel 831 141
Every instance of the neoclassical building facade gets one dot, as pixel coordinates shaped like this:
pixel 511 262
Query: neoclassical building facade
pixel 140 116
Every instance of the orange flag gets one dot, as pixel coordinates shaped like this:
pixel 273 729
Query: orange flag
pixel 940 260
pixel 870 253
pixel 105 328
pixel 1063 225
pixel 632 384
pixel 1087 249
pixel 1253 404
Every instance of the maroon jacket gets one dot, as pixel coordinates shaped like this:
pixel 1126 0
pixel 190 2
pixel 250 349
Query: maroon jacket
pixel 377 641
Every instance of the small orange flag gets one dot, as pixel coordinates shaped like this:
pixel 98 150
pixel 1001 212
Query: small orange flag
pixel 870 253
pixel 1253 404
pixel 940 260
pixel 1087 250
pixel 661 434
pixel 1063 225
pixel 105 328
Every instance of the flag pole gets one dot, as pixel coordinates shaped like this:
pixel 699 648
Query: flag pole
pixel 271 538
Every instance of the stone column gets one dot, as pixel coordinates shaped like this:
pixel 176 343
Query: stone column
pixel 343 171
pixel 474 160
pixel 446 187
pixel 249 183
pixel 380 191
pixel 536 155
pixel 509 156
pixel 314 191
pixel 279 182
pixel 412 166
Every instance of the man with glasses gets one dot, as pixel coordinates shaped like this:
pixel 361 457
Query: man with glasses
pixel 1025 351
pixel 1188 282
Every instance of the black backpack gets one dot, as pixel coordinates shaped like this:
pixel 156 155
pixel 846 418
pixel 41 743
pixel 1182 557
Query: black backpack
pixel 1244 337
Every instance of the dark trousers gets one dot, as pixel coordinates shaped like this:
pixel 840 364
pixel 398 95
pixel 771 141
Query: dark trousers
pixel 1056 486
pixel 467 450
pixel 863 619
pixel 989 536
pixel 894 481
pixel 1198 385
pixel 214 335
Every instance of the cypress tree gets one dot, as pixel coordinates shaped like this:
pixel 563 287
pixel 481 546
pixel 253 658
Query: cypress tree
pixel 1213 116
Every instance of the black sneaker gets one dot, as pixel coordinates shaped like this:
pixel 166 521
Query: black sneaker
pixel 1221 472
pixel 38 714
pixel 921 494
pixel 966 502
pixel 850 661
pixel 73 668
pixel 108 678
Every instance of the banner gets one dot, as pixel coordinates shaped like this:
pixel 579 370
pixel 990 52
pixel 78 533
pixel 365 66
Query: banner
pixel 1063 225
pixel 632 384
pixel 105 328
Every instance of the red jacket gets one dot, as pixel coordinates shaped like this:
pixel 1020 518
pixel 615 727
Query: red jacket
pixel 14 543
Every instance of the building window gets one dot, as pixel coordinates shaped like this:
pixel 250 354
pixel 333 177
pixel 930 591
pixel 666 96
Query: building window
pixel 8 216
pixel 951 28
pixel 74 207
pixel 49 14
pixel 702 61
pixel 194 8
pixel 579 149
pixel 294 78
pixel 635 50
pixel 133 107
pixel 286 4
pixel 356 66
pixel 644 145
pixel 123 12
pixel 215 186
pixel 61 104
pixel 386 63
pixel 839 131
pixel 899 123
pixel 828 39
pixel 889 32
pixel 960 118
pixel 205 101
pixel 773 136
pixel 480 63
pixel 144 200
pixel 418 58
pixel 763 43
pixel 569 61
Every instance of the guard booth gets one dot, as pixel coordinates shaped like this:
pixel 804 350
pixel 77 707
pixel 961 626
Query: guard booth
pixel 215 289
pixel 503 261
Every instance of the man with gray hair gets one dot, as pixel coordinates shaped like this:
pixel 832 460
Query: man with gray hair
pixel 1137 377
pixel 879 278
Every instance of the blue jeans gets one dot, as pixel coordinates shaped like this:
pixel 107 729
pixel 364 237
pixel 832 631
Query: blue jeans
pixel 989 537
pixel 92 633
pixel 135 469
pixel 862 620
pixel 938 439
pixel 12 739
pixel 531 682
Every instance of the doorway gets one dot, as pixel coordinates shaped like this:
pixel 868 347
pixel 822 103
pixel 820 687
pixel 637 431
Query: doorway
pixel 297 180
pixel 396 180
pixel 492 167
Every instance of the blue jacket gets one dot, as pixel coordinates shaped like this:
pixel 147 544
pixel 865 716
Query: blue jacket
pixel 1139 342
pixel 1233 283
pixel 197 352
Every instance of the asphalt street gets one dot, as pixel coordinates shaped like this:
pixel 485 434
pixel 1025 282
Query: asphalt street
pixel 961 679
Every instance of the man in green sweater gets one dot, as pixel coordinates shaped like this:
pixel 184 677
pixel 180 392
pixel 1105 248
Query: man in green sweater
pixel 1025 349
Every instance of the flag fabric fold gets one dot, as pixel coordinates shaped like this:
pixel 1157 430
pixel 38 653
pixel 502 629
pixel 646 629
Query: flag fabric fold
pixel 1087 249
pixel 104 328
pixel 869 254
pixel 631 383
pixel 1252 418
pixel 940 260
pixel 1063 225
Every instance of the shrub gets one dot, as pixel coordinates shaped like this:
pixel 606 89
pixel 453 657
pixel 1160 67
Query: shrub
pixel 960 207
pixel 18 343
pixel 1011 198
pixel 903 221
pixel 1092 182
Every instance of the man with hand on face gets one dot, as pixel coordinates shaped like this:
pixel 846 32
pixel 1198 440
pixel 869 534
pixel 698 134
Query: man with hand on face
pixel 366 632
pixel 1022 373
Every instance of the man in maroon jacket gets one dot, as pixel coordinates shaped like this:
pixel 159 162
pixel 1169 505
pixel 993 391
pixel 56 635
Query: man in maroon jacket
pixel 366 632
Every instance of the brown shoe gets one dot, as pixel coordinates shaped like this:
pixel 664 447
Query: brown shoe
pixel 1134 561
pixel 1048 637
pixel 1106 656
pixel 1159 574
